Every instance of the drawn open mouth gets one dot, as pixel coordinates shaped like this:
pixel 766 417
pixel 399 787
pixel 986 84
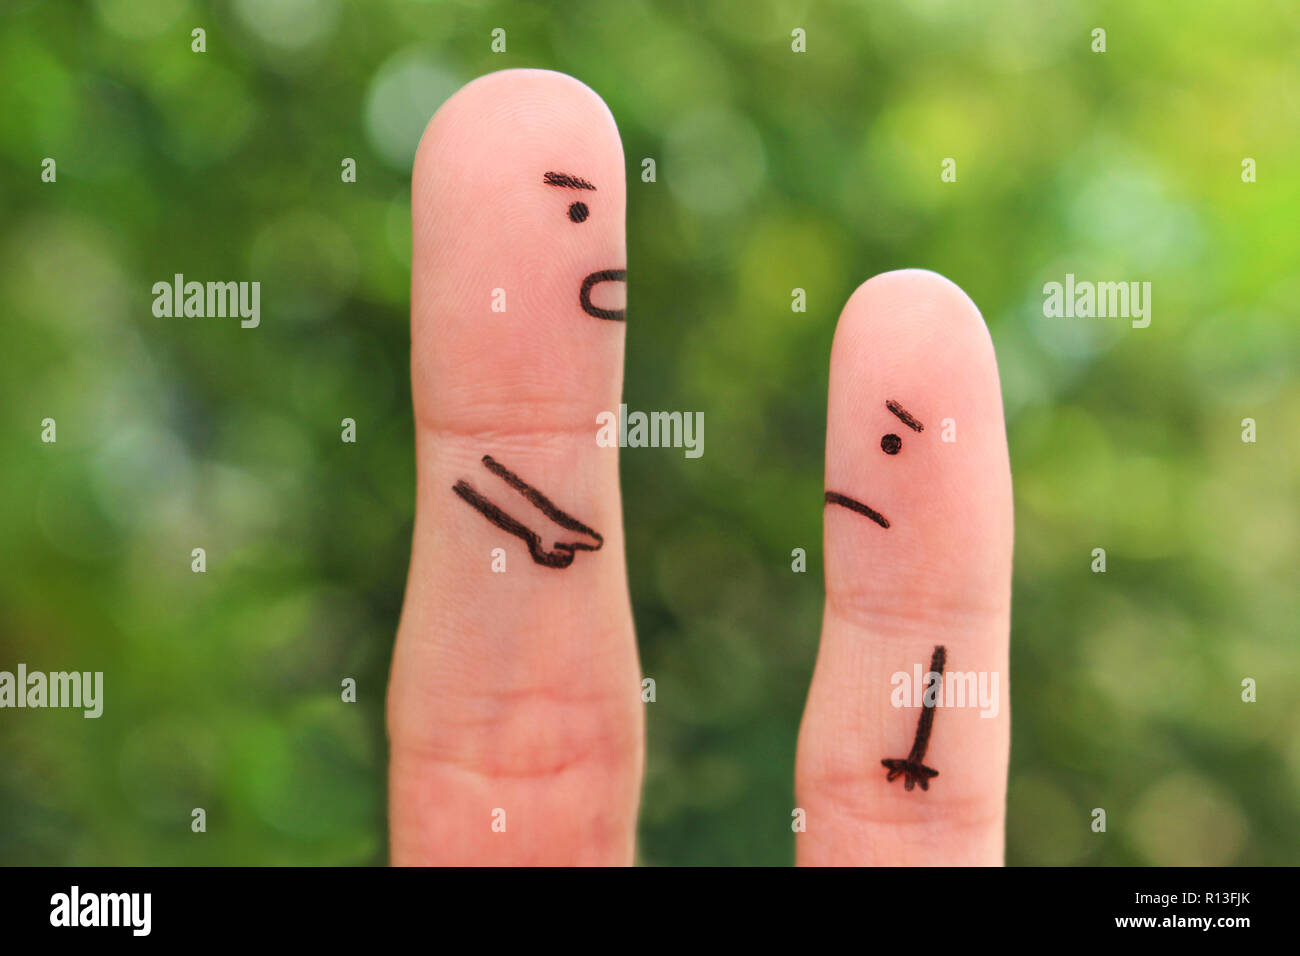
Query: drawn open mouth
pixel 835 498
pixel 589 283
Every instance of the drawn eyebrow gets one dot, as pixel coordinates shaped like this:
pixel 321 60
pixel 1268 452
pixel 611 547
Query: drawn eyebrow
pixel 567 181
pixel 906 417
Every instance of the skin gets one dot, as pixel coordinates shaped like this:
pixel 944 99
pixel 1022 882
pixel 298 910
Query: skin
pixel 521 691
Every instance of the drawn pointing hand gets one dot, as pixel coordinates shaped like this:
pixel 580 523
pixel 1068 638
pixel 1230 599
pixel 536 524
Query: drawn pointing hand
pixel 514 712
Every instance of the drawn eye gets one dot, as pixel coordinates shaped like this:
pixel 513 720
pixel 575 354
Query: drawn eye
pixel 890 444
pixel 578 211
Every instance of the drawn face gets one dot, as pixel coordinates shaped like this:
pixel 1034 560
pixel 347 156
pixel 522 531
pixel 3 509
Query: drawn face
pixel 891 444
pixel 579 212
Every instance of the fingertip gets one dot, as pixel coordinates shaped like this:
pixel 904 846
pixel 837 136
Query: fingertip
pixel 518 261
pixel 531 102
pixel 913 313
pixel 916 434
pixel 918 535
pixel 518 256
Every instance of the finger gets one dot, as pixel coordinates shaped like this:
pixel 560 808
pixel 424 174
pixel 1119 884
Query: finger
pixel 918 527
pixel 513 711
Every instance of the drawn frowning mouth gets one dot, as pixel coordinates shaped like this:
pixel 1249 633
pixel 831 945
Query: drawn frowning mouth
pixel 589 283
pixel 835 498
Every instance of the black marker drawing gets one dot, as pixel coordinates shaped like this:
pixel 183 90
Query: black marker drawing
pixel 567 181
pixel 564 551
pixel 578 212
pixel 890 444
pixel 905 416
pixel 584 295
pixel 910 767
pixel 835 498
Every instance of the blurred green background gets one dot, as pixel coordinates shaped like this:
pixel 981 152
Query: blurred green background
pixel 776 170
